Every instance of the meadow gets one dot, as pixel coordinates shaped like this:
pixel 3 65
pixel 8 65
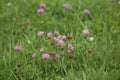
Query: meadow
pixel 59 39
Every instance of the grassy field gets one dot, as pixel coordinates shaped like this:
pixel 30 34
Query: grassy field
pixel 97 59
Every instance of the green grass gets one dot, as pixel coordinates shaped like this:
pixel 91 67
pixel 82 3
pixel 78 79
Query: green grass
pixel 103 23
